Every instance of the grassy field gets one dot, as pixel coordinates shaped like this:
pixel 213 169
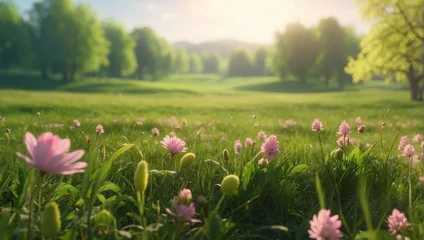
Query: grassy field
pixel 218 112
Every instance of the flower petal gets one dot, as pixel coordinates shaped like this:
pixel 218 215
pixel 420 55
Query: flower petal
pixel 25 158
pixel 66 158
pixel 30 142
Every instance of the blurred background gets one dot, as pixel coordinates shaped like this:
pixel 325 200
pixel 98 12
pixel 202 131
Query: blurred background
pixel 309 45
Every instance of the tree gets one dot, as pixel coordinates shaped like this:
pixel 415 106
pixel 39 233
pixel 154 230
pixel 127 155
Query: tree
pixel 296 51
pixel 147 52
pixel 240 63
pixel 211 62
pixel 259 66
pixel 68 39
pixel 182 64
pixel 395 44
pixel 195 64
pixel 332 57
pixel 122 61
pixel 15 39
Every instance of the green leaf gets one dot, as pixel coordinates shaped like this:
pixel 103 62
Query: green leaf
pixel 320 191
pixel 301 168
pixel 109 186
pixel 125 234
pixel 248 171
pixel 65 189
pixel 101 198
pixel 214 227
pixel 154 227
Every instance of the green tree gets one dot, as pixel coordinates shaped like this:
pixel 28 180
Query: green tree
pixel 182 64
pixel 15 37
pixel 68 39
pixel 332 57
pixel 122 61
pixel 261 55
pixel 211 62
pixel 148 53
pixel 195 64
pixel 240 63
pixel 394 46
pixel 296 51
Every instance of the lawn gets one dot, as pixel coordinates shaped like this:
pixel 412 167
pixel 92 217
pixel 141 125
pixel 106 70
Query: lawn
pixel 210 113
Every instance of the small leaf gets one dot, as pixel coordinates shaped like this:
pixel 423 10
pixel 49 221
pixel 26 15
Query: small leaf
pixel 301 168
pixel 125 234
pixel 154 227
pixel 109 186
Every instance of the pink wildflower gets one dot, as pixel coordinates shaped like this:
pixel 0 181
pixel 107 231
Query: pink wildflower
pixel 173 144
pixel 325 227
pixel 76 124
pixel 261 135
pixel 421 180
pixel 155 132
pixel 358 121
pixel 342 141
pixel 361 129
pixel 50 155
pixel 99 129
pixel 249 142
pixel 270 147
pixel 417 138
pixel 397 222
pixel 237 146
pixel 344 128
pixel 402 143
pixel 408 151
pixel 184 197
pixel 317 126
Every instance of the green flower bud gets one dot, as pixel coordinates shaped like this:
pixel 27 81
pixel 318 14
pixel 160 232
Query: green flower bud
pixel 50 220
pixel 187 160
pixel 230 185
pixel 226 154
pixel 141 176
pixel 337 153
pixel 103 217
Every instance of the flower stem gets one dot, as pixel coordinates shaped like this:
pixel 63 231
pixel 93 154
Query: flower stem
pixel 322 151
pixel 410 187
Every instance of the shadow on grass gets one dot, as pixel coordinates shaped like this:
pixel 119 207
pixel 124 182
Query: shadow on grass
pixel 290 86
pixel 34 82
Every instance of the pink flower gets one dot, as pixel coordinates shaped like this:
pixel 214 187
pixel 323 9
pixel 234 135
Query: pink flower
pixel 358 121
pixel 182 212
pixel 237 146
pixel 408 151
pixel 342 141
pixel 99 129
pixel 317 126
pixel 270 147
pixel 344 128
pixel 402 143
pixel 184 197
pixel 155 132
pixel 417 138
pixel 263 162
pixel 397 222
pixel 50 154
pixel 249 142
pixel 325 227
pixel 173 144
pixel 261 135
pixel 76 124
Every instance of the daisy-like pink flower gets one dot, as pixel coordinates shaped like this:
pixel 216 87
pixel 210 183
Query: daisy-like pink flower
pixel 402 143
pixel 50 155
pixel 99 129
pixel 174 145
pixel 344 128
pixel 155 132
pixel 237 146
pixel 270 147
pixel 317 126
pixel 248 142
pixel 183 212
pixel 261 135
pixel 417 138
pixel 408 151
pixel 76 124
pixel 358 121
pixel 397 222
pixel 324 226
pixel 342 141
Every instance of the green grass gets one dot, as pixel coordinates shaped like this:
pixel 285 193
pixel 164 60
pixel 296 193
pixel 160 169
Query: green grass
pixel 222 109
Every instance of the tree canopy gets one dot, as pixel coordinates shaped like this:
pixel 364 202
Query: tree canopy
pixel 240 63
pixel 395 45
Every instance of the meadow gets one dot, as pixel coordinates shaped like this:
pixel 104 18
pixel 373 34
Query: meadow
pixel 362 182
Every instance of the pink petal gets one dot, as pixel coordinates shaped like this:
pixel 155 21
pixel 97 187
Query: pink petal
pixel 169 212
pixel 30 142
pixel 69 167
pixel 27 159
pixel 66 158
pixel 70 172
pixel 64 145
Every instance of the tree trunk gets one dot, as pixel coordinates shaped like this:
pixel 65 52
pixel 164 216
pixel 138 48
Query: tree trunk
pixel 413 84
pixel 44 73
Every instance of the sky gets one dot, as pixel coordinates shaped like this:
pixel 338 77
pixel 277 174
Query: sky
pixel 254 21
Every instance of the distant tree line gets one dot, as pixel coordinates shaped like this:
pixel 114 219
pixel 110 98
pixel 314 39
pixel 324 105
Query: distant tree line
pixel 60 37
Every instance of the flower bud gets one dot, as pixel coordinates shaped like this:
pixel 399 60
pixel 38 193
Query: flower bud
pixel 230 185
pixel 50 220
pixel 226 154
pixel 337 153
pixel 141 176
pixel 184 197
pixel 103 217
pixel 361 129
pixel 187 160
